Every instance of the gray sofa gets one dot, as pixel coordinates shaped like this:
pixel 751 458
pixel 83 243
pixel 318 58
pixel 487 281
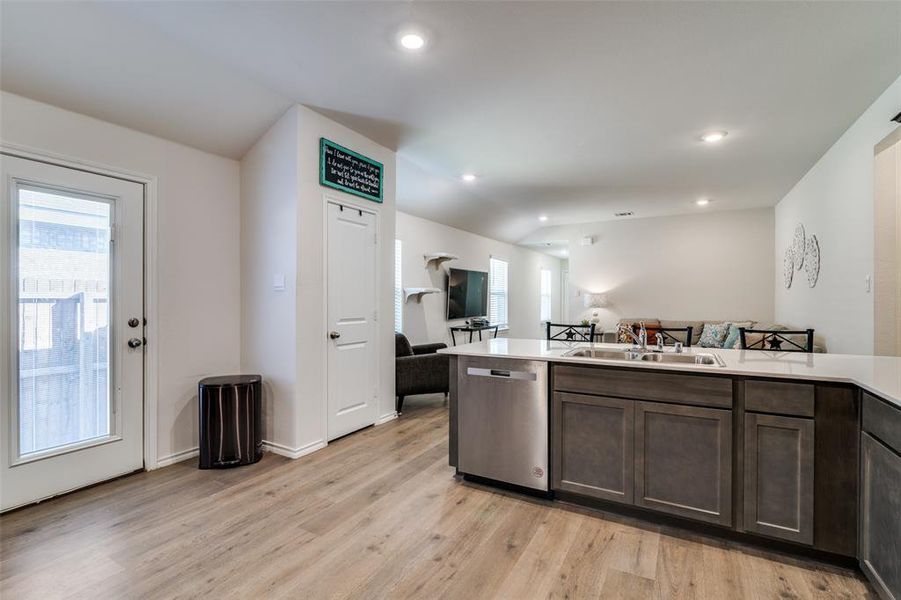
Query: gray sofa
pixel 418 369
pixel 697 328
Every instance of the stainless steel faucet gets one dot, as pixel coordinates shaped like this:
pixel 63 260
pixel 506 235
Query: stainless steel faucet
pixel 640 340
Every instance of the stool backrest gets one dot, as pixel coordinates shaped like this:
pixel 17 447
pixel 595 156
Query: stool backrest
pixel 779 340
pixel 671 335
pixel 570 333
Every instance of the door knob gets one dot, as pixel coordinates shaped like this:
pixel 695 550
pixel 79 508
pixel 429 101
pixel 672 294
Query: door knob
pixel 334 335
pixel 135 343
pixel 133 322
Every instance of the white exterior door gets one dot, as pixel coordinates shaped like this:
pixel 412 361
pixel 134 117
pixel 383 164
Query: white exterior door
pixel 352 305
pixel 71 358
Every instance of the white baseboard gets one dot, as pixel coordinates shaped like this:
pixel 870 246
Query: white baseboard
pixel 268 446
pixel 165 461
pixel 385 418
pixel 273 447
pixel 283 450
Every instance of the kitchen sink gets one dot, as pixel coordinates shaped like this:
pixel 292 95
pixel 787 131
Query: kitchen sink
pixel 691 359
pixel 605 354
pixel 657 357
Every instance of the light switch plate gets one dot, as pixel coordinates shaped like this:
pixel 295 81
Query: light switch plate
pixel 278 282
pixel 868 284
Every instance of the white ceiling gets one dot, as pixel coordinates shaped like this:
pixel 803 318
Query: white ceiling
pixel 574 110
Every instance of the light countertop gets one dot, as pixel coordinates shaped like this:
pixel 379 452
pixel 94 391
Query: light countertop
pixel 880 375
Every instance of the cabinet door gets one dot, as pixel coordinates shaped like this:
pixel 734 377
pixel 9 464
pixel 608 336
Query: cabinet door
pixel 592 446
pixel 880 519
pixel 683 461
pixel 778 483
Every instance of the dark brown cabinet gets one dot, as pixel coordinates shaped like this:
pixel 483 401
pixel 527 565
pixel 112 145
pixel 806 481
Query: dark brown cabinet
pixel 592 446
pixel 778 476
pixel 880 518
pixel 683 461
pixel 814 463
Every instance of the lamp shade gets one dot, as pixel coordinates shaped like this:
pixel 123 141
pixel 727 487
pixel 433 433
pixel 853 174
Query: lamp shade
pixel 595 300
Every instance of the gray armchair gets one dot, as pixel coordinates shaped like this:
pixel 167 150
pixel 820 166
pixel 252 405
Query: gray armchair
pixel 418 369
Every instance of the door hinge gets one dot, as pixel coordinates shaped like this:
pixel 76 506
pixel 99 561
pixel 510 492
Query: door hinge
pixel 375 315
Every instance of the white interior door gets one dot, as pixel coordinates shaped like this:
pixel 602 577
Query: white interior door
pixel 352 305
pixel 72 326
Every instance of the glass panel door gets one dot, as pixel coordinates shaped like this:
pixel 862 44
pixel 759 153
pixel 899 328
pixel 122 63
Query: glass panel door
pixel 63 256
pixel 72 329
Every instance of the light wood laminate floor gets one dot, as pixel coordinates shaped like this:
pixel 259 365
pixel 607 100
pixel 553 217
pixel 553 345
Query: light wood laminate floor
pixel 377 514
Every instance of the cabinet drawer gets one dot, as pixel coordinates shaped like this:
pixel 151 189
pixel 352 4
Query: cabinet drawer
pixel 780 398
pixel 882 420
pixel 643 385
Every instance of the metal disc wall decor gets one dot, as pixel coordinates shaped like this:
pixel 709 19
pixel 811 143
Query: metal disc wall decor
pixel 812 260
pixel 798 246
pixel 788 267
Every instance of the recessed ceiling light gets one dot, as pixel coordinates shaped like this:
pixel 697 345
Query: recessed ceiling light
pixel 412 41
pixel 542 218
pixel 711 137
pixel 468 177
pixel 702 201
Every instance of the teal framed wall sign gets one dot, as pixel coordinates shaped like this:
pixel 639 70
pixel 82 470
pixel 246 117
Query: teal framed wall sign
pixel 343 169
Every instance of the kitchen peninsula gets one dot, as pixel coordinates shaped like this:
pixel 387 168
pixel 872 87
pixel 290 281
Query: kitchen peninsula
pixel 796 451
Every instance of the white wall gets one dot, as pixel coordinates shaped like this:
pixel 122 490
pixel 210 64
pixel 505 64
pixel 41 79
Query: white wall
pixel 834 200
pixel 311 316
pixel 269 182
pixel 283 213
pixel 709 265
pixel 426 321
pixel 198 332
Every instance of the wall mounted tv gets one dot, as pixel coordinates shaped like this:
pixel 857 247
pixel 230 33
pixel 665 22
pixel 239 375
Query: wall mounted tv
pixel 467 294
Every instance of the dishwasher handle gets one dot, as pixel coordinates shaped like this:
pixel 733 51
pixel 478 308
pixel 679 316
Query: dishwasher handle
pixel 502 374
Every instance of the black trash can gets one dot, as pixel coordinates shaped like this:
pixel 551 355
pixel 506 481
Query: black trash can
pixel 231 425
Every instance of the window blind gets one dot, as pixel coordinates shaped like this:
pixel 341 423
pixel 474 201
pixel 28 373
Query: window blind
pixel 497 292
pixel 545 291
pixel 398 289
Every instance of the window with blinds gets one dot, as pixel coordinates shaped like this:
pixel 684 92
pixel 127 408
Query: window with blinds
pixel 398 289
pixel 545 291
pixel 497 292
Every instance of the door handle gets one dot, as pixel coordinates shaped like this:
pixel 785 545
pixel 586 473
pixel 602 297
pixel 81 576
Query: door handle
pixel 334 335
pixel 135 343
pixel 502 374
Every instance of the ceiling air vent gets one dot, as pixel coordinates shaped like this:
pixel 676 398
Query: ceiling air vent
pixel 627 213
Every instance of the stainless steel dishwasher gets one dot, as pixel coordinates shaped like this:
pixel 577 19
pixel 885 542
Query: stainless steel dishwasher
pixel 503 420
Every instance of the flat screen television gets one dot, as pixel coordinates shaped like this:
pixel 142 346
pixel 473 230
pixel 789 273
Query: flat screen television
pixel 467 294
